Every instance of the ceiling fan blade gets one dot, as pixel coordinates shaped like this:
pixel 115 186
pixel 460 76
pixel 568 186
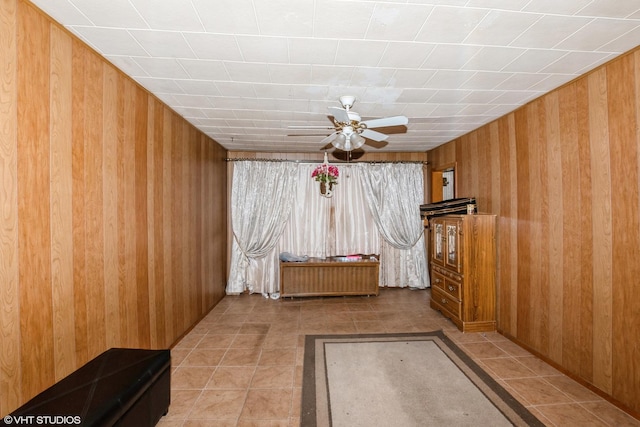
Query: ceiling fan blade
pixel 376 144
pixel 329 138
pixel 372 134
pixel 340 114
pixel 310 127
pixel 387 121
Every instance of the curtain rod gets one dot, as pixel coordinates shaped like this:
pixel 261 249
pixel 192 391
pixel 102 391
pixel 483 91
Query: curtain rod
pixel 251 159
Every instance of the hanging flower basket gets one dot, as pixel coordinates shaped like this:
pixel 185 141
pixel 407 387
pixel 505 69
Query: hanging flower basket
pixel 327 175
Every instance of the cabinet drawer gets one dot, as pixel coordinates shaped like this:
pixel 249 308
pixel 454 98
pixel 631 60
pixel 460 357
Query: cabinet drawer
pixel 446 301
pixel 446 281
pixel 453 289
pixel 437 279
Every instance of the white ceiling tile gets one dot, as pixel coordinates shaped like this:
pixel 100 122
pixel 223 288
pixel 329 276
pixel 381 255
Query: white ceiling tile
pixel 624 43
pixel 450 56
pixel 450 24
pixel 285 17
pixel 396 21
pixel 243 90
pixel 534 60
pixel 549 30
pixel 379 95
pixel 370 76
pixel 411 78
pixel 565 7
pixel 492 58
pixel 127 65
pixel 574 61
pixel 166 44
pixel 551 82
pixel 64 11
pixel 111 41
pixel 290 74
pixel 405 54
pixel 449 96
pixel 449 79
pixel 331 75
pixel 517 97
pixel 205 70
pixel 485 80
pixel 192 101
pixel 247 72
pixel 188 112
pixel 418 110
pixel 198 87
pixel 263 49
pixel 164 15
pixel 312 51
pixel 612 9
pixel 114 13
pixel 214 46
pixel 313 92
pixel 281 91
pixel 520 81
pixel 360 52
pixel 339 19
pixel 500 28
pixel 160 85
pixel 498 4
pixel 596 34
pixel 162 68
pixel 227 16
pixel 481 96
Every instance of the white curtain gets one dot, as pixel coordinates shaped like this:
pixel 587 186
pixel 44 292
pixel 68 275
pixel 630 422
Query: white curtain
pixel 261 199
pixel 394 193
pixel 320 227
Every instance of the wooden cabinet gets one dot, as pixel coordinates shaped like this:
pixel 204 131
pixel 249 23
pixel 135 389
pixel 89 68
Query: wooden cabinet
pixel 463 270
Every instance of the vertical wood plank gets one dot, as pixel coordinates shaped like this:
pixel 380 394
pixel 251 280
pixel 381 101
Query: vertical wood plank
pixel 505 230
pixel 157 263
pixel 626 227
pixel 585 369
pixel 62 203
pixel 127 221
pixel 10 370
pixel 167 225
pixel 93 187
pixel 111 136
pixel 601 229
pixel 524 330
pixel 140 217
pixel 571 227
pixel 34 232
pixel 78 194
pixel 554 272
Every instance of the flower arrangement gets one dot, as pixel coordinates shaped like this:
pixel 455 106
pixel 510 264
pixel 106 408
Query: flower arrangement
pixel 326 173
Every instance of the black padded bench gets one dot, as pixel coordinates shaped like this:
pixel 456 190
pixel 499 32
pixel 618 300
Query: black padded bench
pixel 120 387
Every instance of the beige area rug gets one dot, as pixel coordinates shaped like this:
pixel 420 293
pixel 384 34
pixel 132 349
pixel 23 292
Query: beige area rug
pixel 403 380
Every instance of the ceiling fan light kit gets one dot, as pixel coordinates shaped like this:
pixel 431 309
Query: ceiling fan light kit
pixel 351 132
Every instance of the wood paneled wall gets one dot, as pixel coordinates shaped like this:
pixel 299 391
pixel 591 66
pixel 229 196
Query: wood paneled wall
pixel 562 173
pixel 112 210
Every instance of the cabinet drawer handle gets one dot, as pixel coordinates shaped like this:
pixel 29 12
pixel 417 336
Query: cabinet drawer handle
pixel 438 281
pixel 451 288
pixel 444 301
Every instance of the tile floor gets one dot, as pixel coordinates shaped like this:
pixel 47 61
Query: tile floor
pixel 242 364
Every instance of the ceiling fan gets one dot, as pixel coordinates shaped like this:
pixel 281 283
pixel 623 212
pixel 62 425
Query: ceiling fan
pixel 350 131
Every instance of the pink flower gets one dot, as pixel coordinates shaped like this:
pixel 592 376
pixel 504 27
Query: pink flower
pixel 326 173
